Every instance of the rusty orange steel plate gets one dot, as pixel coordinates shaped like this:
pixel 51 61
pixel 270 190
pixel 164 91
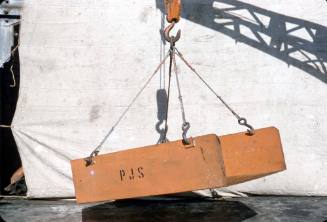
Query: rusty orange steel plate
pixel 209 162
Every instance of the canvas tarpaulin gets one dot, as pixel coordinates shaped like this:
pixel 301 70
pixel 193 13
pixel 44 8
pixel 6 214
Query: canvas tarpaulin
pixel 82 62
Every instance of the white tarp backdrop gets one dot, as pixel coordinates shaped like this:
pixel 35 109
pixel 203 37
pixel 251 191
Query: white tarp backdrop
pixel 82 62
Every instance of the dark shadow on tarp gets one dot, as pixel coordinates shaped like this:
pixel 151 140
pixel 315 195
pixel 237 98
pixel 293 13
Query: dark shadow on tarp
pixel 168 210
pixel 297 42
pixel 161 97
pixel 2 220
pixel 9 156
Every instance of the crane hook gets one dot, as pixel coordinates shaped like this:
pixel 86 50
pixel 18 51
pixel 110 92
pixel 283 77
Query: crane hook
pixel 243 122
pixel 171 38
pixel 185 127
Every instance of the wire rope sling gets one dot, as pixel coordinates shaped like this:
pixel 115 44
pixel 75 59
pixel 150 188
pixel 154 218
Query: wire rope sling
pixel 192 163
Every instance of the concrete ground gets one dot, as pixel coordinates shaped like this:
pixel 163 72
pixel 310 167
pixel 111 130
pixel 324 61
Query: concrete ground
pixel 168 209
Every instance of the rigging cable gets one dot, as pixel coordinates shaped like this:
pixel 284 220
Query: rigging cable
pixel 95 152
pixel 241 120
pixel 186 125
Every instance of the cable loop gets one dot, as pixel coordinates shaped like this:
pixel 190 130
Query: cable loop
pixel 243 122
pixel 186 125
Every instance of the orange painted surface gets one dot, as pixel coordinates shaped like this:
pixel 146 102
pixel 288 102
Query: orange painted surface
pixel 173 8
pixel 172 167
pixel 249 157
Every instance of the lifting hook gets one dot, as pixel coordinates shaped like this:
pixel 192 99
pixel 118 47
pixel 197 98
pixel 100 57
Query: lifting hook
pixel 185 127
pixel 243 122
pixel 170 38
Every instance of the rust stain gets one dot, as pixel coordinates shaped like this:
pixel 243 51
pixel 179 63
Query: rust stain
pixel 204 158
